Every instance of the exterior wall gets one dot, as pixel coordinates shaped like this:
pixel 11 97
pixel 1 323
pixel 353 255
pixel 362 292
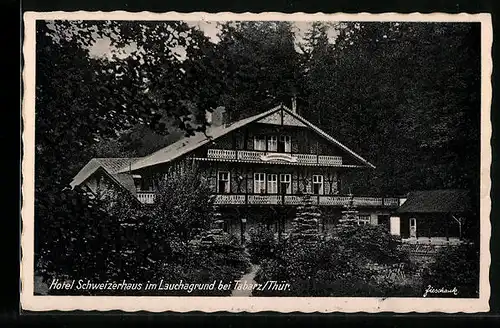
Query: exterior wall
pixel 100 185
pixel 242 176
pixel 430 225
pixel 280 118
pixel 273 219
pixel 303 140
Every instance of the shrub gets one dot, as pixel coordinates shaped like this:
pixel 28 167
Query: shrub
pixel 116 240
pixel 75 237
pixel 455 266
pixel 213 256
pixel 261 244
pixel 348 263
pixel 369 243
pixel 183 205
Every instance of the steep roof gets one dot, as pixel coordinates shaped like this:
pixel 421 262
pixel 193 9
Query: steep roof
pixel 111 166
pixel 187 145
pixel 436 201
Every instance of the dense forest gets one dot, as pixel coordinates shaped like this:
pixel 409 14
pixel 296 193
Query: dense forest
pixel 406 96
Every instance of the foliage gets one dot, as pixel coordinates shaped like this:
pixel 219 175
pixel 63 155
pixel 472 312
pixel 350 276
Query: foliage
pixel 403 96
pixel 82 101
pixel 260 66
pixel 97 244
pixel 347 264
pixel 261 244
pixel 458 267
pixel 183 205
pixel 210 256
pixel 372 243
pixel 133 247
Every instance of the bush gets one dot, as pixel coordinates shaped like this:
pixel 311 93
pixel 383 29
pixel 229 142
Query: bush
pixel 212 256
pixel 75 237
pixel 183 205
pixel 372 244
pixel 456 266
pixel 261 244
pixel 89 239
pixel 349 262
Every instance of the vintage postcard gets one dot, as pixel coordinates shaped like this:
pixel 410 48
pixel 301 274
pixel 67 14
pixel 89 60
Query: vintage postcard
pixel 256 162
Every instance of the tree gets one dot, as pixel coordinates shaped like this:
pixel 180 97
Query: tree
pixel 305 226
pixel 401 95
pixel 82 101
pixel 260 66
pixel 183 205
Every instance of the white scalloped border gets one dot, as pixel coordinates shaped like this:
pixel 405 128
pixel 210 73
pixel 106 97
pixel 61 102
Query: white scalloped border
pixel 31 302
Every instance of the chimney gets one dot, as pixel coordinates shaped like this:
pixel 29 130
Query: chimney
pixel 294 104
pixel 216 118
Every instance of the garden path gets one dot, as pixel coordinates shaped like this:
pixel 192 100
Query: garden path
pixel 246 280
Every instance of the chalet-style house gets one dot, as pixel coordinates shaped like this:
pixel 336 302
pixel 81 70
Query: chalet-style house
pixel 257 168
pixel 433 216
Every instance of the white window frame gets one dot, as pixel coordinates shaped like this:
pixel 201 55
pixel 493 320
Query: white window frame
pixel 363 219
pixel 272 143
pixel 318 179
pixel 227 188
pixel 334 189
pixel 259 183
pixel 286 178
pixel 287 140
pixel 259 143
pixel 272 183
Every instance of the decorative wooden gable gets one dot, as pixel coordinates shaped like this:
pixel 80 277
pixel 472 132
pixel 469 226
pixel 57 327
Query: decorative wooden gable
pixel 281 117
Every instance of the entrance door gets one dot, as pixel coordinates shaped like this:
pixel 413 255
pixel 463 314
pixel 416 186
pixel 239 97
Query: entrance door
pixel 413 228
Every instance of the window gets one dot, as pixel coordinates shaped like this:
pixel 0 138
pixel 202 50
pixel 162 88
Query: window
pixel 334 189
pixel 137 182
pixel 285 144
pixel 318 184
pixel 272 183
pixel 146 184
pixel 286 183
pixel 259 183
pixel 363 219
pixel 223 185
pixel 272 143
pixel 259 143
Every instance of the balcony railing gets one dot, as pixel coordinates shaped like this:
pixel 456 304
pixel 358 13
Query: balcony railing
pixel 329 200
pixel 146 197
pixel 274 157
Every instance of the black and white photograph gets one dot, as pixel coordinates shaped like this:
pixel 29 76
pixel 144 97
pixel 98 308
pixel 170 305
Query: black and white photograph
pixel 262 162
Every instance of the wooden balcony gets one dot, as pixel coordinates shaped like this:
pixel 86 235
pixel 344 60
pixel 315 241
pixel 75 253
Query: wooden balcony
pixel 148 197
pixel 322 200
pixel 272 157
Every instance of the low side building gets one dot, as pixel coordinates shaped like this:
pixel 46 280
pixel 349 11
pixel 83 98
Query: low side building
pixel 433 216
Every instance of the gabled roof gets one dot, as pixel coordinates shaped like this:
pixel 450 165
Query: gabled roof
pixel 186 145
pixel 436 201
pixel 111 166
